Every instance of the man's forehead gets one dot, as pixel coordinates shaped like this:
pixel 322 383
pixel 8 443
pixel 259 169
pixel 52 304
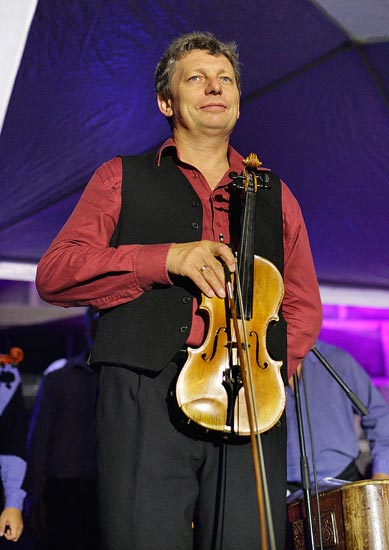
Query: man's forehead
pixel 199 57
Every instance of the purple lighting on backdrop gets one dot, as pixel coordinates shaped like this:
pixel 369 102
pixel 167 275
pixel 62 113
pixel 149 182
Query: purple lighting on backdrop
pixel 364 333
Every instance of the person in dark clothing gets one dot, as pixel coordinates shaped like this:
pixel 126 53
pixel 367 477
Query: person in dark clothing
pixel 13 429
pixel 142 244
pixel 61 478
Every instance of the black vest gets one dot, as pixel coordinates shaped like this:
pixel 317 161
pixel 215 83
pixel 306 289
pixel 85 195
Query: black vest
pixel 160 206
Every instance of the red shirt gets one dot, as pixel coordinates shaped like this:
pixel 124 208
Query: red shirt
pixel 80 268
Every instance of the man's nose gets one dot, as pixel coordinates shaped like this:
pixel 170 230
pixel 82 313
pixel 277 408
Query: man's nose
pixel 213 86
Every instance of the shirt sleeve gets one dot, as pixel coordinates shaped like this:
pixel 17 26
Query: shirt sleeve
pixel 80 268
pixel 13 469
pixel 302 307
pixel 376 423
pixel 13 425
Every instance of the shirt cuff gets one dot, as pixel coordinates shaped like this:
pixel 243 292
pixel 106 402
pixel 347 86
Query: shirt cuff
pixel 15 499
pixel 13 470
pixel 150 265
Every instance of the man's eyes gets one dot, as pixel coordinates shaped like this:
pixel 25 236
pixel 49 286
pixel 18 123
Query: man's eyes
pixel 197 77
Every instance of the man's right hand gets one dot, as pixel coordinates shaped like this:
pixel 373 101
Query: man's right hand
pixel 201 261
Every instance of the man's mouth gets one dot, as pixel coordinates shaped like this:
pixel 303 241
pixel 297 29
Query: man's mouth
pixel 214 107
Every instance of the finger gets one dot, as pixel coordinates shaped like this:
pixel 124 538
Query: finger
pixel 189 259
pixel 224 254
pixel 11 534
pixel 214 257
pixel 213 278
pixel 201 282
pixel 12 538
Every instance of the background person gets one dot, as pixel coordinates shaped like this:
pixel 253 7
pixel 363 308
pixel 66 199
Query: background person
pixel 61 477
pixel 13 426
pixel 332 418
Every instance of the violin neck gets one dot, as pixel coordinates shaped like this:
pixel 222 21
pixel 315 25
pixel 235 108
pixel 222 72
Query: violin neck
pixel 246 256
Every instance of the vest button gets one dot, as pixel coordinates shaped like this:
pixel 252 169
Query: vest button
pixel 195 225
pixel 186 300
pixel 184 329
pixel 196 203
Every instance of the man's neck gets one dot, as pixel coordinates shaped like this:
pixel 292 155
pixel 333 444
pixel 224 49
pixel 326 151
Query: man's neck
pixel 207 155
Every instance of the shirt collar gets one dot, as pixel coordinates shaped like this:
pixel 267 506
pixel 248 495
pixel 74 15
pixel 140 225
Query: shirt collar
pixel 235 159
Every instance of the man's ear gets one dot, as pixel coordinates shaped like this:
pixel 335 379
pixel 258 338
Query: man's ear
pixel 165 106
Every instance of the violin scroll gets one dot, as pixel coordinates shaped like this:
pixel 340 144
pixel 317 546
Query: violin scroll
pixel 252 162
pixel 15 356
pixel 252 178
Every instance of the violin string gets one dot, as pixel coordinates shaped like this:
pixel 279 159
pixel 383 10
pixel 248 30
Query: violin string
pixel 243 252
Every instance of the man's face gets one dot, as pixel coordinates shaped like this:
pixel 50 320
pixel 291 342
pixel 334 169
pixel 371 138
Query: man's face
pixel 205 96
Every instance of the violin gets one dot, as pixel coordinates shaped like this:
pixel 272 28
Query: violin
pixel 231 384
pixel 210 388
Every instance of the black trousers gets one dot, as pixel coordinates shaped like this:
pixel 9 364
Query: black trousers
pixel 161 486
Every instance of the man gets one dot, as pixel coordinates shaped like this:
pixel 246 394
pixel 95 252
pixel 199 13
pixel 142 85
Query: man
pixel 61 484
pixel 335 439
pixel 13 425
pixel 140 246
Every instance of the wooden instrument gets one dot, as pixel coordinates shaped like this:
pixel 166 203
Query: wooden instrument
pixel 231 384
pixel 210 389
pixel 354 516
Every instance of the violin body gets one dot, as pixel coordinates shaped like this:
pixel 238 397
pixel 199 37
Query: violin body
pixel 203 391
